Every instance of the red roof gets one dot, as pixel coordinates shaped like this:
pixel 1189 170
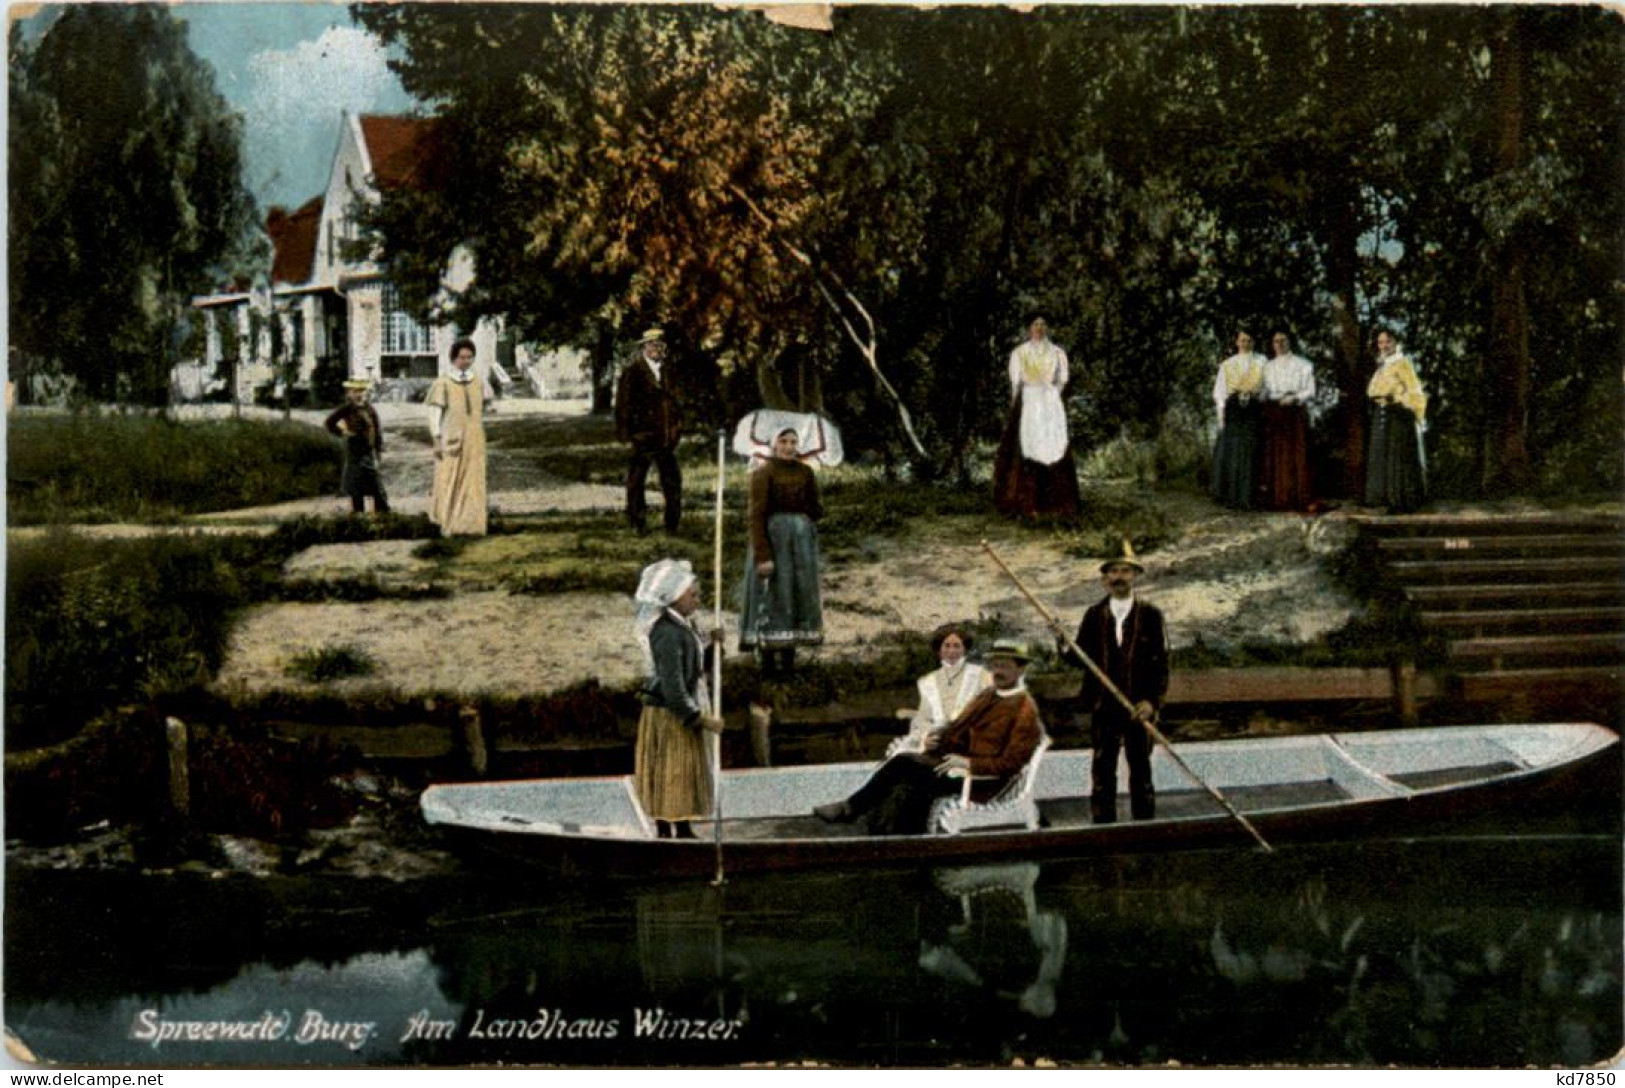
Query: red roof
pixel 401 148
pixel 293 237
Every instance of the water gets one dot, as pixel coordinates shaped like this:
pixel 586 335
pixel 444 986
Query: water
pixel 1469 951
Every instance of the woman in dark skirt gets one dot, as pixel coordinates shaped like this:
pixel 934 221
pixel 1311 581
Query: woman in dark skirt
pixel 1236 396
pixel 783 607
pixel 1033 470
pixel 1395 477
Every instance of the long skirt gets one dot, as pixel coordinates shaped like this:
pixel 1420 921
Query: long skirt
pixel 1394 477
pixel 458 505
pixel 1023 487
pixel 1284 471
pixel 786 609
pixel 671 771
pixel 1235 456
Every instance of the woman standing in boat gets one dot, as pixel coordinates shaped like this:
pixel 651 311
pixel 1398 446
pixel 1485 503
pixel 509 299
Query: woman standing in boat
pixel 671 773
pixel 783 606
pixel 1394 473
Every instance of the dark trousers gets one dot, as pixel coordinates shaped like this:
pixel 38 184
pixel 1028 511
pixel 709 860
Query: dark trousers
pixel 1110 730
pixel 898 797
pixel 361 483
pixel 664 459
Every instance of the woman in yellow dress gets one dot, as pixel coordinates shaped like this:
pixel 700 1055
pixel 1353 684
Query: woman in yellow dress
pixel 456 404
pixel 1395 476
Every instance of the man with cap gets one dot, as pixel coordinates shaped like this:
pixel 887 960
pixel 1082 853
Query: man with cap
pixel 649 417
pixel 1126 638
pixel 356 422
pixel 993 737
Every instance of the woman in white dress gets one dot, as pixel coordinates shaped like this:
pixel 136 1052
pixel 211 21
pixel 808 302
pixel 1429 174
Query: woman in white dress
pixel 946 690
pixel 1033 472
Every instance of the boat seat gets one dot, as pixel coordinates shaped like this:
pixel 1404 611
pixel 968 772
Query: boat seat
pixel 1013 805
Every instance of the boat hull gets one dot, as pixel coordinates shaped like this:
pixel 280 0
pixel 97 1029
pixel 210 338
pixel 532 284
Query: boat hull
pixel 1547 788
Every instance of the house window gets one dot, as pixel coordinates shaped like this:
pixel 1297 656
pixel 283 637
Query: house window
pixel 402 333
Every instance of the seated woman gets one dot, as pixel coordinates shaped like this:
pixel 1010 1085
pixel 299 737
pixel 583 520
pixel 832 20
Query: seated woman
pixel 947 690
pixel 993 737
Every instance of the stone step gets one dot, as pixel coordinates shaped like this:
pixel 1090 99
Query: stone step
pixel 1532 545
pixel 1498 653
pixel 1422 572
pixel 1424 525
pixel 1488 686
pixel 1508 621
pixel 1525 594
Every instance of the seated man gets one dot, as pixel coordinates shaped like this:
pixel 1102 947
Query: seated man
pixel 994 736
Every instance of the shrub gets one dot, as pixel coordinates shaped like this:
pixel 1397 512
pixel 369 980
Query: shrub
pixel 327 663
pixel 90 467
pixel 93 623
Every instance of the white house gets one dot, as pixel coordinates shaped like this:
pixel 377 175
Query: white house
pixel 323 307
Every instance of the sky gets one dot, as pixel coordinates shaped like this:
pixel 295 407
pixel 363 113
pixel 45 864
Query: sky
pixel 290 69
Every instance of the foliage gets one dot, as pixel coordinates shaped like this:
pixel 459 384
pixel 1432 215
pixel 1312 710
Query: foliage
pixel 327 663
pixel 94 623
pixel 125 192
pixel 1148 178
pixel 91 466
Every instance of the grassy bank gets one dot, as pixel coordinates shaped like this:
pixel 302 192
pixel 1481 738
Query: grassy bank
pixel 91 467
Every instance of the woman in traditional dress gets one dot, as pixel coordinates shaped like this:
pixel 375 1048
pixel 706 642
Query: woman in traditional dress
pixel 456 404
pixel 1394 474
pixel 1236 393
pixel 783 606
pixel 672 771
pixel 1033 471
pixel 946 690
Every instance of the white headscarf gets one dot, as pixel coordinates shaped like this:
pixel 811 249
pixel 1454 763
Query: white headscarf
pixel 663 581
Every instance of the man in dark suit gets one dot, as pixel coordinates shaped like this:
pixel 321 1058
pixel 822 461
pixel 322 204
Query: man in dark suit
pixel 1127 639
pixel 648 415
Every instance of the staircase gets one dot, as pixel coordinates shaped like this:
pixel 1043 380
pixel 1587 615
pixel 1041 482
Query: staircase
pixel 1530 608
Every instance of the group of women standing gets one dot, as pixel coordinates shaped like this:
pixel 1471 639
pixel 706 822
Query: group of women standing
pixel 1260 459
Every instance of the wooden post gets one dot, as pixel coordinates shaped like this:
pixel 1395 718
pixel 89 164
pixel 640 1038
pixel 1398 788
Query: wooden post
pixel 761 739
pixel 180 786
pixel 1404 673
pixel 473 738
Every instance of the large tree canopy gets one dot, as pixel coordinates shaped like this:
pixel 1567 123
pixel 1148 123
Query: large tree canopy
pixel 841 216
pixel 125 195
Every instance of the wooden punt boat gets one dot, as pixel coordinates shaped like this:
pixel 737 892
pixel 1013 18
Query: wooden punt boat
pixel 1292 787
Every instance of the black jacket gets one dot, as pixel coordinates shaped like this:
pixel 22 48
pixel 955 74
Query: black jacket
pixel 1139 667
pixel 647 412
pixel 679 664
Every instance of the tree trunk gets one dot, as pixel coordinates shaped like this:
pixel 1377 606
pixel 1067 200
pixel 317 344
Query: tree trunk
pixel 1352 372
pixel 601 372
pixel 1508 465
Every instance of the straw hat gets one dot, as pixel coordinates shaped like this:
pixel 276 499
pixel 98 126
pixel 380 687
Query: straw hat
pixel 652 336
pixel 1008 648
pixel 1127 559
pixel 357 383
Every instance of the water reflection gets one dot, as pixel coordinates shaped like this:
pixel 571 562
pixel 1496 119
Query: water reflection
pixel 1474 953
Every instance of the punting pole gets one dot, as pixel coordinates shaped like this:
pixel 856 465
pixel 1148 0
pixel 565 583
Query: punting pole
pixel 1106 681
pixel 716 665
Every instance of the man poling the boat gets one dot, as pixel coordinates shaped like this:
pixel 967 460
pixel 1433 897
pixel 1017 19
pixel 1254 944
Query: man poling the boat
pixel 1147 722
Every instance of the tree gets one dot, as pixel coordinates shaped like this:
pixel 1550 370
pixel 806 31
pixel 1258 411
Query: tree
pixel 125 195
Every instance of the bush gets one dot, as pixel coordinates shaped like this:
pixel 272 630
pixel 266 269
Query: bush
pixel 94 623
pixel 327 663
pixel 90 467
